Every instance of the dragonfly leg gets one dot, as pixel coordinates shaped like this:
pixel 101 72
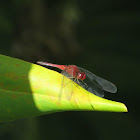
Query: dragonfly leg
pixel 86 86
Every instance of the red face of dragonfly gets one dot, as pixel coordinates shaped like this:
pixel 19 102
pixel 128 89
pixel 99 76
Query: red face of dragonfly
pixel 81 75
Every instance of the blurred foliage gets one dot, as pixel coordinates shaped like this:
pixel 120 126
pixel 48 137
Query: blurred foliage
pixel 101 36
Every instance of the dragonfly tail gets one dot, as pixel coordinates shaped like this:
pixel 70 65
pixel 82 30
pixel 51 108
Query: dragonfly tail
pixel 62 67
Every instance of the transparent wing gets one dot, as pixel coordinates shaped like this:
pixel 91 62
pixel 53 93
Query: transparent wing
pixel 67 85
pixel 93 87
pixel 98 82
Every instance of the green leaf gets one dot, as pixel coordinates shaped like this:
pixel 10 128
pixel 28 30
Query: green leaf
pixel 28 90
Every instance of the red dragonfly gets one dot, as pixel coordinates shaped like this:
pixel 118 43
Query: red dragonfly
pixel 85 78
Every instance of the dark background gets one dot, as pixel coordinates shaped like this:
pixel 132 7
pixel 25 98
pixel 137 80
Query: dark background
pixel 100 36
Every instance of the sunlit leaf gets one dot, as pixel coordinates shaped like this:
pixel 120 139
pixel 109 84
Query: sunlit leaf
pixel 28 90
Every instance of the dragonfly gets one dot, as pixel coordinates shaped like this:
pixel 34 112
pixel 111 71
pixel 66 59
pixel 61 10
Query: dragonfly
pixel 85 78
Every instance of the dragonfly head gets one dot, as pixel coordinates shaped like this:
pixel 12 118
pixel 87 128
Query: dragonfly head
pixel 81 75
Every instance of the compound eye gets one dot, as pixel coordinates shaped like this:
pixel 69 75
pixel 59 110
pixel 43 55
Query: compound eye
pixel 82 75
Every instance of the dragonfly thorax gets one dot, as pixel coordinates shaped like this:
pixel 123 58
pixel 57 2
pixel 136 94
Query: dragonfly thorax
pixel 74 71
